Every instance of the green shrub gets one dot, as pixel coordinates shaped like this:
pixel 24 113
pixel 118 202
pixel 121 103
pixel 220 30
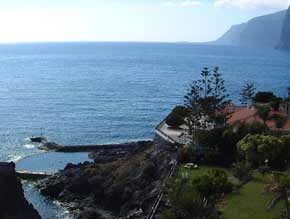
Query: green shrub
pixel 195 198
pixel 242 171
pixel 257 148
pixel 275 103
pixel 279 120
pixel 283 215
pixel 213 184
pixel 174 120
pixel 263 112
pixel 177 116
pixel 181 111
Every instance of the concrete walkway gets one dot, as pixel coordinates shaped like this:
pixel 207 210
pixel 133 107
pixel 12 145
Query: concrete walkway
pixel 179 136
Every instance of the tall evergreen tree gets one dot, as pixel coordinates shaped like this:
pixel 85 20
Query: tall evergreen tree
pixel 221 97
pixel 206 100
pixel 247 94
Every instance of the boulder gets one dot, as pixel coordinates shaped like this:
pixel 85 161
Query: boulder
pixel 13 204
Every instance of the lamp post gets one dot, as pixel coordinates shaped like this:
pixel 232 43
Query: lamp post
pixel 267 163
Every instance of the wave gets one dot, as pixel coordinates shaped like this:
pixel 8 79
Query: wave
pixel 29 146
pixel 14 158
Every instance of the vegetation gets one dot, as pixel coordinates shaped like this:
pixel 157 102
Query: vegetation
pixel 275 103
pixel 219 145
pixel 256 149
pixel 174 121
pixel 196 197
pixel 206 101
pixel 242 171
pixel 263 112
pixel 280 186
pixel 200 193
pixel 251 201
pixel 264 97
pixel 177 117
pixel 279 120
pixel 247 94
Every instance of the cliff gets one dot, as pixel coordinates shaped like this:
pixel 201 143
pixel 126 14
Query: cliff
pixel 285 35
pixel 13 204
pixel 232 36
pixel 263 31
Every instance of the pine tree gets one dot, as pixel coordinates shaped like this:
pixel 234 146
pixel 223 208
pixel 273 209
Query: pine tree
pixel 247 94
pixel 206 100
pixel 221 98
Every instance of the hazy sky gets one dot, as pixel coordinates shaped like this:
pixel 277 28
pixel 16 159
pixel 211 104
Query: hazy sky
pixel 126 20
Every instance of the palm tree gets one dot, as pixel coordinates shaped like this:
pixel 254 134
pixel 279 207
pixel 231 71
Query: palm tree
pixel 280 186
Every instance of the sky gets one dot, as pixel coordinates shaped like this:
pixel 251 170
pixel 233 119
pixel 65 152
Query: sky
pixel 126 20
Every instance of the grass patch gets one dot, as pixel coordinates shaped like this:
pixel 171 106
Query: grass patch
pixel 193 173
pixel 251 202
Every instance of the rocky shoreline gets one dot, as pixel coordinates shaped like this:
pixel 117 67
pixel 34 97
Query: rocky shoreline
pixel 13 204
pixel 121 183
pixel 100 153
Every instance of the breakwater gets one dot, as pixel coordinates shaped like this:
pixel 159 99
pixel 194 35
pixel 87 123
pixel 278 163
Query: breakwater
pixel 101 153
pixel 92 148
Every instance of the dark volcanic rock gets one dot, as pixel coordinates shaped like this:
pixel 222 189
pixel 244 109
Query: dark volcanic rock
pixel 123 187
pixel 116 152
pixel 285 35
pixel 13 204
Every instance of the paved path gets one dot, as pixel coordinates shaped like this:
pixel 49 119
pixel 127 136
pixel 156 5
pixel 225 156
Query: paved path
pixel 178 136
pixel 161 194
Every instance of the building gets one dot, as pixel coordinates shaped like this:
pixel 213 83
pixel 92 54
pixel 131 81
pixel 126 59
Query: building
pixel 238 114
pixel 249 115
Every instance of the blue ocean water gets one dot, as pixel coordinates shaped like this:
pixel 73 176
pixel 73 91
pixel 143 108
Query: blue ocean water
pixel 88 93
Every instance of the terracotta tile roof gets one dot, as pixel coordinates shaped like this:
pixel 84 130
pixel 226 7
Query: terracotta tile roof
pixel 249 115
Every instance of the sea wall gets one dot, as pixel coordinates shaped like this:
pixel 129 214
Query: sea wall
pixel 91 148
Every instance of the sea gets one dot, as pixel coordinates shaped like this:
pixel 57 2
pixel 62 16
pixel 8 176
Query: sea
pixel 109 92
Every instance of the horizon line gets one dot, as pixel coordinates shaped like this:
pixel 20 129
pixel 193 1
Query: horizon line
pixel 104 41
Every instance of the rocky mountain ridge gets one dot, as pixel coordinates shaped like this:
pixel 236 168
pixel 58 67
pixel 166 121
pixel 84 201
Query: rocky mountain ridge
pixel 264 31
pixel 285 35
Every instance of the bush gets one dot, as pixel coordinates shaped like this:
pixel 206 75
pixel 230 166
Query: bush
pixel 279 120
pixel 263 112
pixel 213 184
pixel 219 146
pixel 257 148
pixel 174 120
pixel 275 103
pixel 264 97
pixel 195 198
pixel 242 171
pixel 177 116
pixel 181 111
